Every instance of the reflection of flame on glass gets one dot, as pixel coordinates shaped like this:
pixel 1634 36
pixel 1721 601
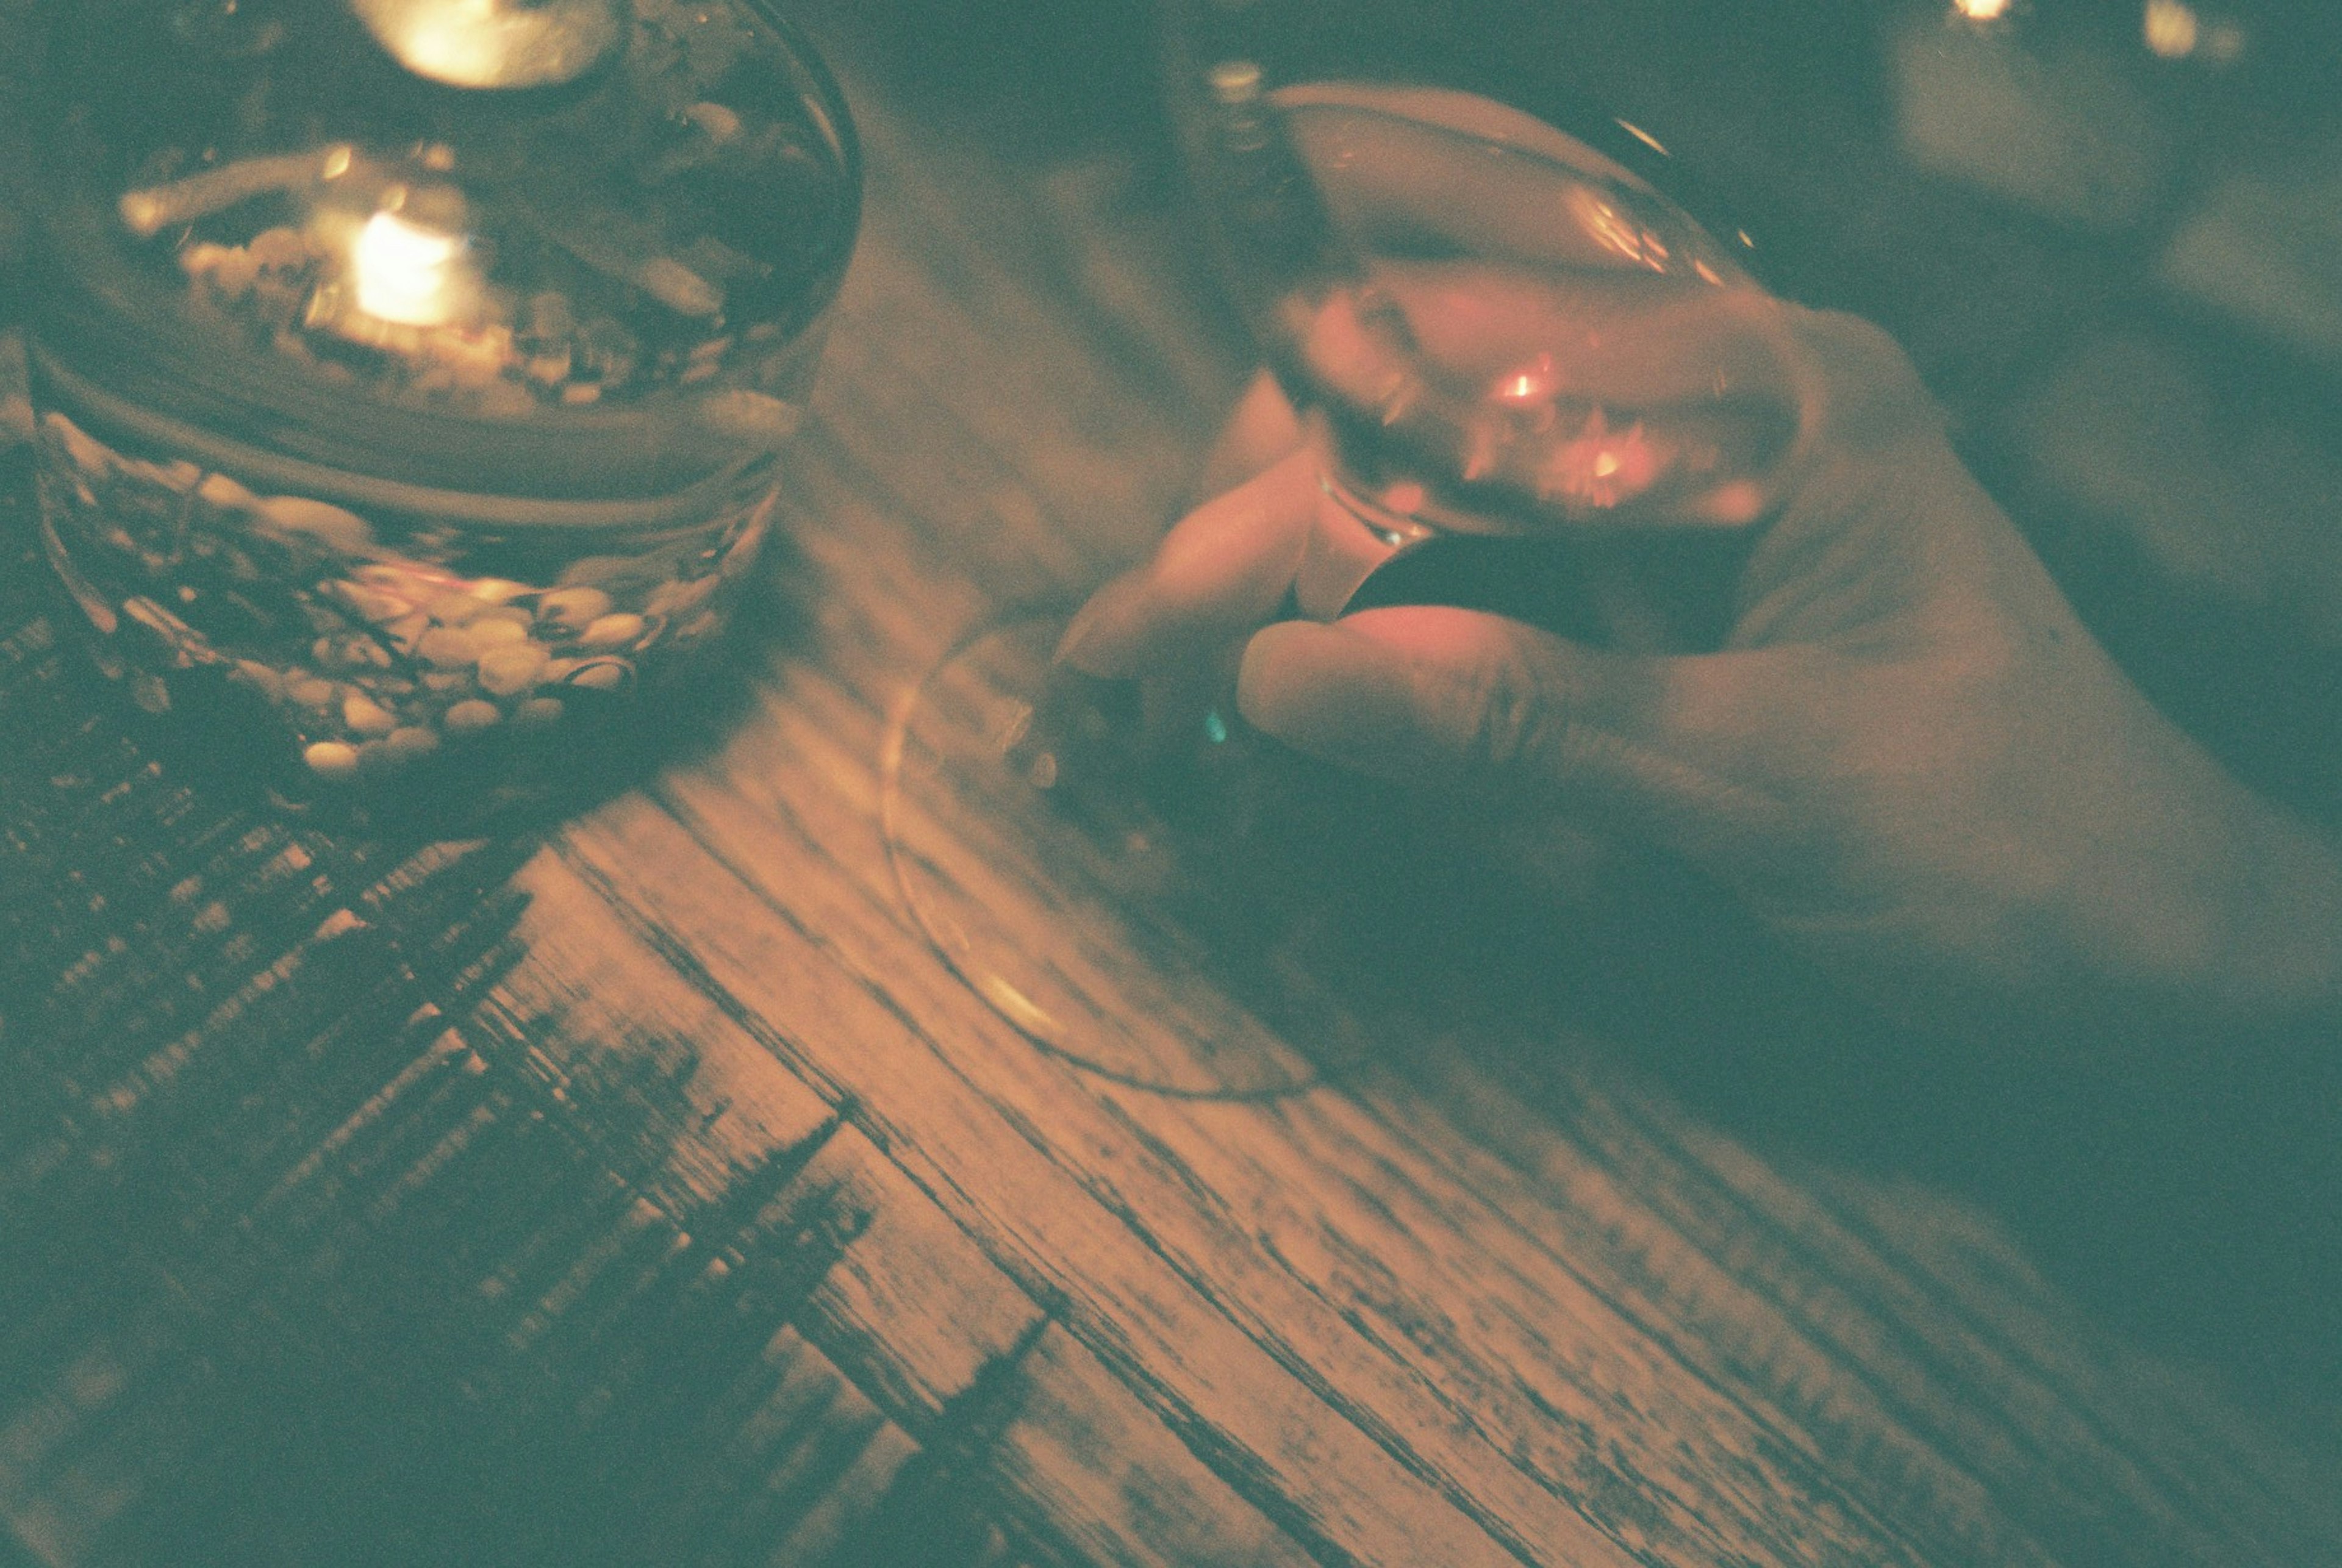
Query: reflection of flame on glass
pixel 1981 10
pixel 1615 231
pixel 407 274
pixel 1601 467
pixel 1533 382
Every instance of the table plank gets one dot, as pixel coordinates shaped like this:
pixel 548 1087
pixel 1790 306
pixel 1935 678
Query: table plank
pixel 993 1137
pixel 1702 1358
pixel 659 1195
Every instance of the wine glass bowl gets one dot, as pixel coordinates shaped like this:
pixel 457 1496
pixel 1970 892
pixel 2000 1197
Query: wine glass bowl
pixel 1489 328
pixel 1013 804
pixel 1530 384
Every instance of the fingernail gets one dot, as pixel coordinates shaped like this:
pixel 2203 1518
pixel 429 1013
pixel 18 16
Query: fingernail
pixel 1090 640
pixel 1112 633
pixel 1077 631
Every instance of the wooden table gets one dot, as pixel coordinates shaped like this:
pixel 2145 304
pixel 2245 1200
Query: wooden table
pixel 654 1193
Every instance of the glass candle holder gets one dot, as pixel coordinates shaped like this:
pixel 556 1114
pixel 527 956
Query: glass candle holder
pixel 414 376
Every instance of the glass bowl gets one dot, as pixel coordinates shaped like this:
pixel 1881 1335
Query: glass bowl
pixel 413 376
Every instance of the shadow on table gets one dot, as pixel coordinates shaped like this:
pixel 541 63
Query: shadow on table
pixel 307 1256
pixel 2185 1187
pixel 514 786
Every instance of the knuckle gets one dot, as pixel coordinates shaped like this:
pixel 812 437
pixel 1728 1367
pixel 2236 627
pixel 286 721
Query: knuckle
pixel 1870 391
pixel 1852 341
pixel 1508 720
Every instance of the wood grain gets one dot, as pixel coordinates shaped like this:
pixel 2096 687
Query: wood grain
pixel 657 1194
pixel 1620 1337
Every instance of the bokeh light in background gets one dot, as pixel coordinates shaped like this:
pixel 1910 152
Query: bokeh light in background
pixel 2171 28
pixel 2176 31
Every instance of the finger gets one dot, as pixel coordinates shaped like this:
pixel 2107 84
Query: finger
pixel 1867 394
pixel 1500 714
pixel 1220 572
pixel 1259 430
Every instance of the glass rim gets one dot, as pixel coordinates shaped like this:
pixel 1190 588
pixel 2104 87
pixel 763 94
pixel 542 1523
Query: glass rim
pixel 837 121
pixel 1183 60
pixel 85 307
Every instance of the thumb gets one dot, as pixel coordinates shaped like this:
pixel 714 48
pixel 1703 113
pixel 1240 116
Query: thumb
pixel 1504 716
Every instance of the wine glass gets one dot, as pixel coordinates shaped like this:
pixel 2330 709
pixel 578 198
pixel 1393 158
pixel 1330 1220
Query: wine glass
pixel 1532 384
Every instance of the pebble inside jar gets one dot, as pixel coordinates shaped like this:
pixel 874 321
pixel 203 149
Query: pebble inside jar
pixel 407 381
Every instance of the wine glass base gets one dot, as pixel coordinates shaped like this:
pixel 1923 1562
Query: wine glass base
pixel 1076 899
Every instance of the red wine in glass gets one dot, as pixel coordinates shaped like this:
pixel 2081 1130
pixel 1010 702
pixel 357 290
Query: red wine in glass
pixel 1535 387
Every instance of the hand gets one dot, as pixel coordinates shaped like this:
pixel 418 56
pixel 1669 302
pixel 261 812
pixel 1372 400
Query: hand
pixel 1909 757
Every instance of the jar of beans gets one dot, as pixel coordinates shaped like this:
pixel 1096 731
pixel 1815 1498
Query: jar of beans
pixel 414 377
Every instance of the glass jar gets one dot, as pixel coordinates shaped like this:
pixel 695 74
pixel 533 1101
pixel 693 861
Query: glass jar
pixel 411 375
